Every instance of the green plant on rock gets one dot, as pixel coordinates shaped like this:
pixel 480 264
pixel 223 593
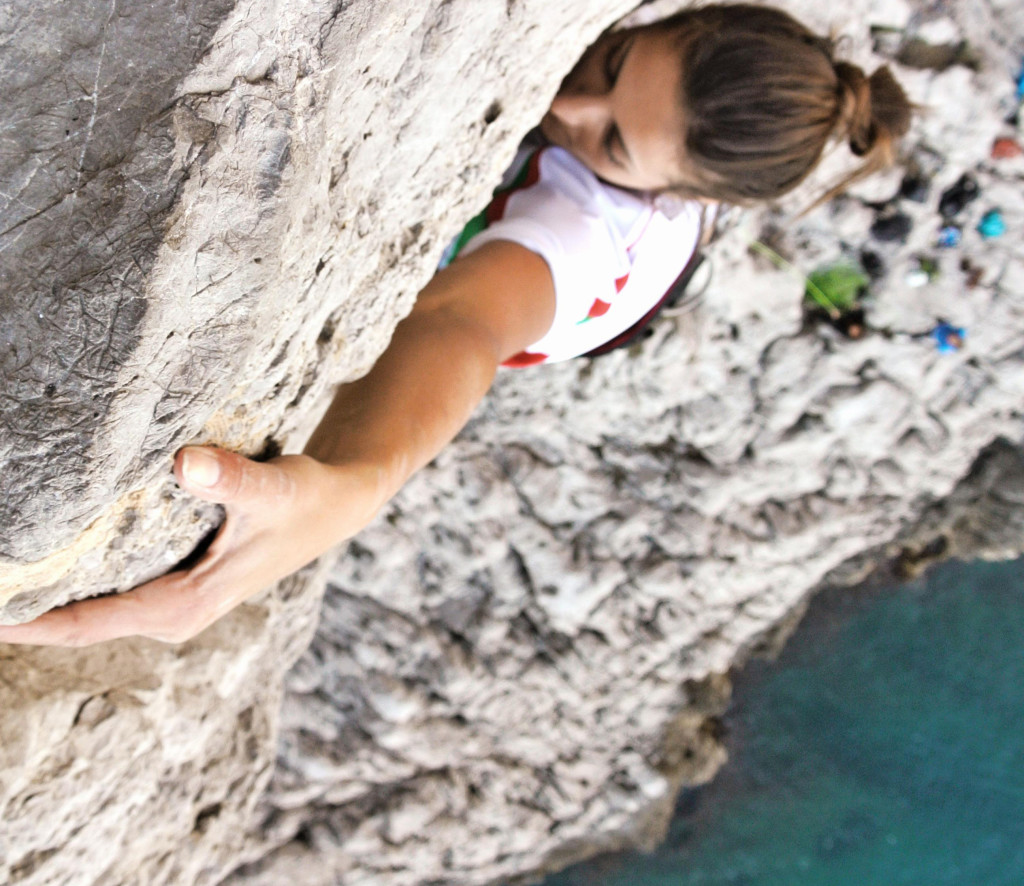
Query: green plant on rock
pixel 841 286
pixel 836 289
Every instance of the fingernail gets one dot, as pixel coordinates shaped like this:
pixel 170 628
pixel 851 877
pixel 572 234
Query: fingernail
pixel 200 468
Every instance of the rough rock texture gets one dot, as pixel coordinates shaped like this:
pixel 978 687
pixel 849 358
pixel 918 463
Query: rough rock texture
pixel 517 662
pixel 210 211
pixel 200 235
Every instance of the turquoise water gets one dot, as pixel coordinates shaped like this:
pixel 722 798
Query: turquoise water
pixel 885 746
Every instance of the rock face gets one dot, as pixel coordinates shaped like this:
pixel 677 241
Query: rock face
pixel 194 230
pixel 212 212
pixel 518 663
pixel 89 181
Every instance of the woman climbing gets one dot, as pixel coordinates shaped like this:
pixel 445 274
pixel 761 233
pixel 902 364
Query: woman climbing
pixel 731 103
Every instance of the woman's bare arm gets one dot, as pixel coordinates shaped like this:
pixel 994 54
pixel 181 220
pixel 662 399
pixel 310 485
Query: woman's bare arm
pixel 473 315
pixel 379 430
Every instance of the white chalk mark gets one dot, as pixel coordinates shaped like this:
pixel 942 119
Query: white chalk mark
pixel 7 242
pixel 95 97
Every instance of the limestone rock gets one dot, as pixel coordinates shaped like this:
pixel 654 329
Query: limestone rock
pixel 211 212
pixel 205 234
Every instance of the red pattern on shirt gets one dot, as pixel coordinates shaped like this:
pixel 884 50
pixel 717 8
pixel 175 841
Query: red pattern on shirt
pixel 496 209
pixel 523 359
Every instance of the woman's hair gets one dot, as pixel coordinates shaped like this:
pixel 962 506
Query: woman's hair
pixel 762 96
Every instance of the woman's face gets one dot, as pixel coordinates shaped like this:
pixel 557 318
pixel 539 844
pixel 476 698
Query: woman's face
pixel 618 111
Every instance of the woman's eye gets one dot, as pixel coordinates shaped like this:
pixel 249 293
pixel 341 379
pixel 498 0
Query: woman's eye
pixel 612 144
pixel 613 60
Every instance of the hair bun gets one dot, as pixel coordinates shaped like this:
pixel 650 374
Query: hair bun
pixel 855 108
pixel 890 107
pixel 872 109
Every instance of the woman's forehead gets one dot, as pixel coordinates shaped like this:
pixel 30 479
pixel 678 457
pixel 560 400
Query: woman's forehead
pixel 649 109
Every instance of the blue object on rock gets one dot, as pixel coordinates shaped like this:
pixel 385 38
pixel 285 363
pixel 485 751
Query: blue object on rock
pixel 950 236
pixel 992 224
pixel 949 339
pixel 1020 83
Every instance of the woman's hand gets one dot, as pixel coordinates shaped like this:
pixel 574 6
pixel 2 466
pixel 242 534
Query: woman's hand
pixel 281 515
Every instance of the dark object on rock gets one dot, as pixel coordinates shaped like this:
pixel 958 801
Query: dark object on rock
pixel 872 264
pixel 850 323
pixel 915 187
pixel 1006 148
pixel 992 224
pixel 958 196
pixel 893 228
pixel 916 53
pixel 913 561
pixel 972 273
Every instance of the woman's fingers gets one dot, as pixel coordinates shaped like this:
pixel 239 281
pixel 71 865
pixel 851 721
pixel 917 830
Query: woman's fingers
pixel 228 478
pixel 280 516
pixel 164 609
pixel 176 607
pixel 173 608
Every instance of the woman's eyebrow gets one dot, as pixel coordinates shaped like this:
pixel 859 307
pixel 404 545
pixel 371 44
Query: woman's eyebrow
pixel 615 139
pixel 617 58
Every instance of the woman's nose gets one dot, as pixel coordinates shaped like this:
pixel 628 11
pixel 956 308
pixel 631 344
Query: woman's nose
pixel 580 109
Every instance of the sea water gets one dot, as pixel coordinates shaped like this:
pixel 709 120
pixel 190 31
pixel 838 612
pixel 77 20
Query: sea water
pixel 884 746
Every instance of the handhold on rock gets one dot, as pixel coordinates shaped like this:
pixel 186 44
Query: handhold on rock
pixel 992 224
pixel 1006 148
pixel 949 339
pixel 916 278
pixel 924 272
pixel 972 273
pixel 956 197
pixel 914 187
pixel 929 265
pixel 872 264
pixel 893 228
pixel 837 288
pixel 927 270
pixel 949 237
pixel 1020 83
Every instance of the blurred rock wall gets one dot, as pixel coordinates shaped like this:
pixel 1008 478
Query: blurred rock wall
pixel 522 659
